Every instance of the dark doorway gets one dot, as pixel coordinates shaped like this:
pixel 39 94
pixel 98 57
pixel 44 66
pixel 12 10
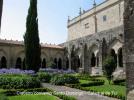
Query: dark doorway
pixel 55 63
pixel 3 62
pixel 44 63
pixel 113 54
pixel 18 63
pixel 60 64
pixel 93 60
pixel 120 57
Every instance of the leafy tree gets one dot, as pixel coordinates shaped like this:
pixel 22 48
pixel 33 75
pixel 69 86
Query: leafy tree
pixel 109 66
pixel 31 39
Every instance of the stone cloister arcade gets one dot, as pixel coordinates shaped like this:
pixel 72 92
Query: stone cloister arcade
pixel 87 54
pixel 12 55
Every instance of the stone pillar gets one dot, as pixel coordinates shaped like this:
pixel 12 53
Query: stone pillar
pixel 117 61
pixel 69 61
pixel 129 42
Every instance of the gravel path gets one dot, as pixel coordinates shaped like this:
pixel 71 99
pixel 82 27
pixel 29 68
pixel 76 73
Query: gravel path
pixel 79 94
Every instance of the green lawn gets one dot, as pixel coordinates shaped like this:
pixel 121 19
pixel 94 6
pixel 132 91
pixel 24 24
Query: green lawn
pixel 33 97
pixel 120 90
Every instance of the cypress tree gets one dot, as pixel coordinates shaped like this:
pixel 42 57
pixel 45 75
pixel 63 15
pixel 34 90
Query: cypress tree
pixel 31 39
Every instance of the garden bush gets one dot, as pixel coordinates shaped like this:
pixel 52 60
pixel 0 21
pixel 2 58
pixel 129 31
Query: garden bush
pixel 64 97
pixel 120 82
pixel 92 83
pixel 60 79
pixel 44 77
pixel 17 82
pixel 3 97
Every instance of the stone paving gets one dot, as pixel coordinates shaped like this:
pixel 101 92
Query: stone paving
pixel 79 94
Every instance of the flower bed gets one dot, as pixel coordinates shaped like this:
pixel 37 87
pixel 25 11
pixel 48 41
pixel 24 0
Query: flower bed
pixel 57 71
pixel 15 71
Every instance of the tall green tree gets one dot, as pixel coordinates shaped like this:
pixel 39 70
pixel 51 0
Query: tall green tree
pixel 31 39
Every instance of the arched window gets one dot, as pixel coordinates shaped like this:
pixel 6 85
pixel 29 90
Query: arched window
pixel 93 60
pixel 120 57
pixel 3 62
pixel 18 63
pixel 44 63
pixel 55 63
pixel 59 63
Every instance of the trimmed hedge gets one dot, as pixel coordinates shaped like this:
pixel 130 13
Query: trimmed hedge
pixel 3 97
pixel 92 83
pixel 10 82
pixel 64 79
pixel 120 82
pixel 44 77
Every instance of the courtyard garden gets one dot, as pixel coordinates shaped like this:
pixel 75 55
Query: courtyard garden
pixel 16 83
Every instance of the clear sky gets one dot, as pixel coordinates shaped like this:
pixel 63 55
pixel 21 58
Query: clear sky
pixel 52 15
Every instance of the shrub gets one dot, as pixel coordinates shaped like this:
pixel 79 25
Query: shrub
pixel 92 83
pixel 3 97
pixel 64 79
pixel 39 90
pixel 109 66
pixel 73 85
pixel 120 82
pixel 9 82
pixel 64 97
pixel 44 77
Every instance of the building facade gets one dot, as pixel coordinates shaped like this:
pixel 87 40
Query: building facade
pixel 93 35
pixel 12 55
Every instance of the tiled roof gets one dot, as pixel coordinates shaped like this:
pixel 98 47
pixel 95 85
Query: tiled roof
pixel 16 42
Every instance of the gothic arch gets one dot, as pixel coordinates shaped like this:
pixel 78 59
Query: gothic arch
pixel 20 54
pixel 3 53
pixel 59 63
pixel 3 62
pixel 18 63
pixel 115 44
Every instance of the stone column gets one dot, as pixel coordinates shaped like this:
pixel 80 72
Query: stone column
pixel 129 42
pixel 117 61
pixel 69 61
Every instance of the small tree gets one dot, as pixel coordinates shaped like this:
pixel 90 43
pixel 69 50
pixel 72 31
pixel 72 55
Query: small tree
pixel 109 66
pixel 31 39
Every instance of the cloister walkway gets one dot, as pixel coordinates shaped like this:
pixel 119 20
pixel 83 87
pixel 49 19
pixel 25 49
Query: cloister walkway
pixel 79 94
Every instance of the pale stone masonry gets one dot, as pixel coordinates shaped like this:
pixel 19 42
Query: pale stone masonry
pixel 104 16
pixel 93 35
pixel 12 53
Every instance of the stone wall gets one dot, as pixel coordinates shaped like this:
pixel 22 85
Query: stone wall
pixel 87 45
pixel 129 42
pixel 92 21
pixel 12 50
